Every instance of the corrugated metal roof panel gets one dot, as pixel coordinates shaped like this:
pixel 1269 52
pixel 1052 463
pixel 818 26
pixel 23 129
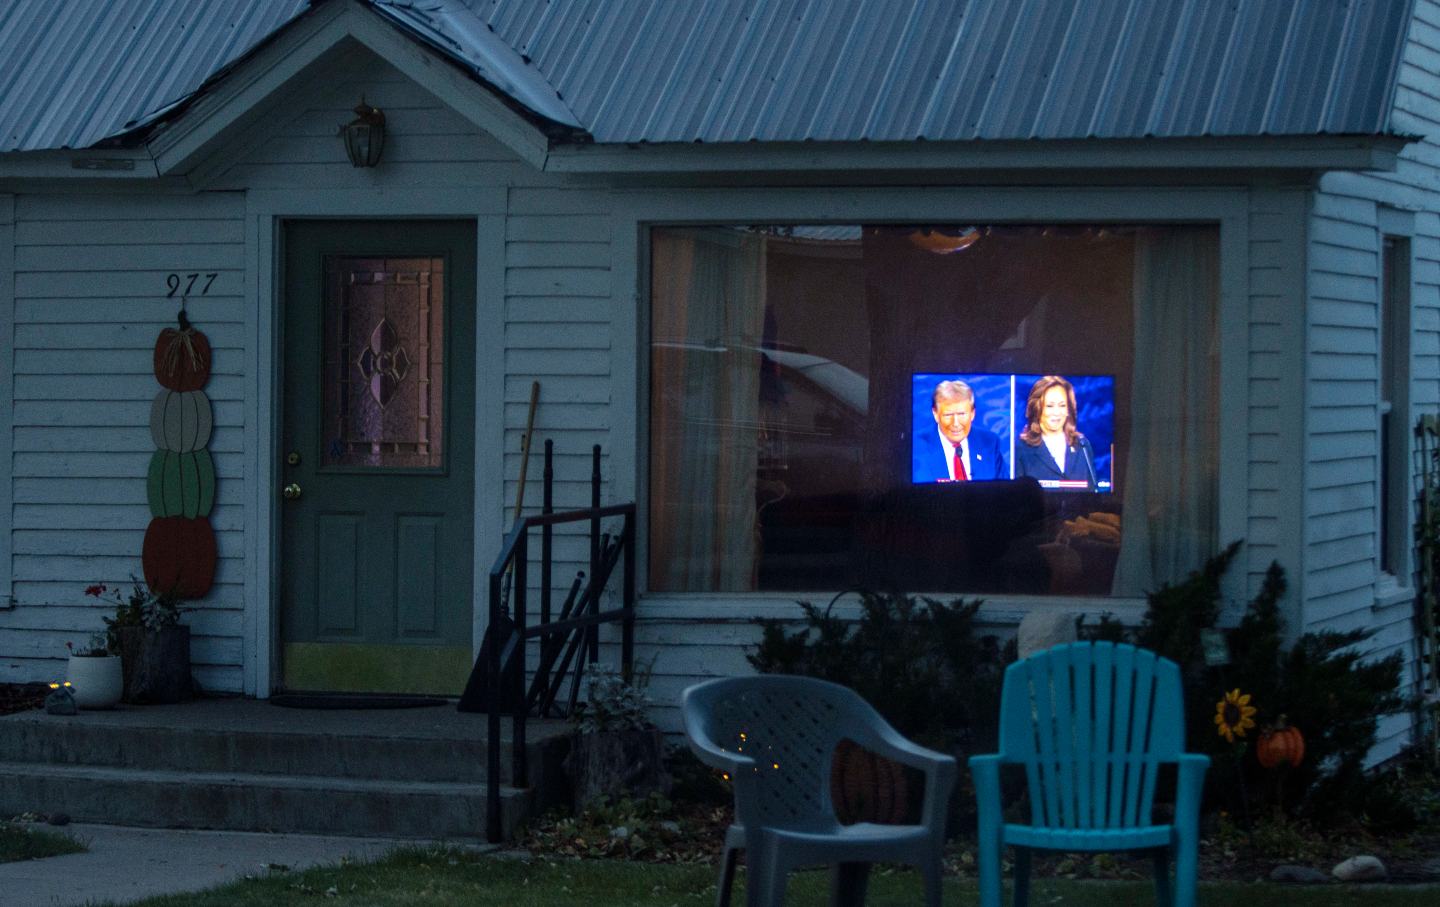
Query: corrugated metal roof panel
pixel 453 29
pixel 74 72
pixel 846 70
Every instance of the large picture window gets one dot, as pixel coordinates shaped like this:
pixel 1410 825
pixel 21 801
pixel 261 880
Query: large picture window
pixel 933 408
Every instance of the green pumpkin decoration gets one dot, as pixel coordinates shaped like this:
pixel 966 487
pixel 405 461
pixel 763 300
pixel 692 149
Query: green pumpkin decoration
pixel 181 484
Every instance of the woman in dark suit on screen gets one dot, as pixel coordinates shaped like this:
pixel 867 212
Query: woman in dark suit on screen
pixel 1051 450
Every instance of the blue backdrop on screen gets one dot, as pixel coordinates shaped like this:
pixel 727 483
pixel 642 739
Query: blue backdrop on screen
pixel 1000 409
pixel 1094 417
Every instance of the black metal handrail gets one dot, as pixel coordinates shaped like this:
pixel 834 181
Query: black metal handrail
pixel 572 637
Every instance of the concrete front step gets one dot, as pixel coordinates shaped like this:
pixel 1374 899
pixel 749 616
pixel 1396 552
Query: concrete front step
pixel 255 801
pixel 356 755
pixel 246 735
pixel 247 765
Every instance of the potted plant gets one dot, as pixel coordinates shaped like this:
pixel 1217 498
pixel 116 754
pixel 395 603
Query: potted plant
pixel 154 646
pixel 616 751
pixel 94 675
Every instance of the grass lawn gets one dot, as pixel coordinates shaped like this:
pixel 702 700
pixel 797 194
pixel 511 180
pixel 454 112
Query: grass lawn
pixel 440 878
pixel 21 842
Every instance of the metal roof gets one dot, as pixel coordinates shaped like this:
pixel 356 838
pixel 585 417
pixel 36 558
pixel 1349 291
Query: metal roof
pixel 75 72
pixel 898 70
pixel 454 29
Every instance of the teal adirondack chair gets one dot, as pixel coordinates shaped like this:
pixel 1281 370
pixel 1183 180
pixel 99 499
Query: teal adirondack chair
pixel 1092 724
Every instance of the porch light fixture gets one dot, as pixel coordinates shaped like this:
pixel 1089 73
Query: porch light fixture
pixel 365 135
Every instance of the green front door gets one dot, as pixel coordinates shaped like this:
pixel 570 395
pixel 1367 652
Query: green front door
pixel 377 455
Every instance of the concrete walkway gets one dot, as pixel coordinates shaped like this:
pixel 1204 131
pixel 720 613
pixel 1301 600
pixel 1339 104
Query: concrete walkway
pixel 124 865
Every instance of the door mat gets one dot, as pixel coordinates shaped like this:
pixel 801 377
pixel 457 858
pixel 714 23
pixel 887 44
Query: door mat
pixel 352 701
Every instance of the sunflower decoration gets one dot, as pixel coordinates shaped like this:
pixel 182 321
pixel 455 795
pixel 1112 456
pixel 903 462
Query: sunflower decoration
pixel 1234 715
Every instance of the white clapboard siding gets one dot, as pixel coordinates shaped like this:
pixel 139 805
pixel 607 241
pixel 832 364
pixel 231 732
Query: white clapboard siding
pixel 558 313
pixel 1342 386
pixel 90 299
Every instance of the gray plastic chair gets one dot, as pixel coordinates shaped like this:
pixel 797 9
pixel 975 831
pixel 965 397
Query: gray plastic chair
pixel 775 736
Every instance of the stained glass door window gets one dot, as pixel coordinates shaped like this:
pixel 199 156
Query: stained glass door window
pixel 383 375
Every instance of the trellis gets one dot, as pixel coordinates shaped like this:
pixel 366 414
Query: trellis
pixel 1427 598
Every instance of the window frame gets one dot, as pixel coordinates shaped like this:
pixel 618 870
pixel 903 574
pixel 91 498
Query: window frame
pixel 1394 349
pixel 636 211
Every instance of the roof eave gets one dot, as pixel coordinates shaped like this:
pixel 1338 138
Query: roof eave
pixel 1314 153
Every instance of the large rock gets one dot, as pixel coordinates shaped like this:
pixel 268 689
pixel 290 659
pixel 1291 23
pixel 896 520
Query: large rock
pixel 1362 868
pixel 1043 629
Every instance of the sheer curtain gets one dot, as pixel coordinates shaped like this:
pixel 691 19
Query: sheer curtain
pixel 707 315
pixel 1170 490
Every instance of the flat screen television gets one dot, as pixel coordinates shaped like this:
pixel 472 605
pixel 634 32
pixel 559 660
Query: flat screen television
pixel 994 434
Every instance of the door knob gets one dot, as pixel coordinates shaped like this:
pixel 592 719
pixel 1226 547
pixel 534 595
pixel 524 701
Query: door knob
pixel 291 491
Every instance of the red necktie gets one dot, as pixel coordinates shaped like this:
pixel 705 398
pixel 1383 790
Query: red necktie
pixel 960 475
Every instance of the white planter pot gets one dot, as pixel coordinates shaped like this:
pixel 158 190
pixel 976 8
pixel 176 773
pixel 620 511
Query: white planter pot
pixel 96 683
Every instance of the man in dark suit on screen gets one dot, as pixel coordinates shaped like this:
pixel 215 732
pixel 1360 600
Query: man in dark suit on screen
pixel 955 451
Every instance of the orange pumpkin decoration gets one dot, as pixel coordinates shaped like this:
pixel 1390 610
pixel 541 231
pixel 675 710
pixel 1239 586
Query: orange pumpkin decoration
pixel 865 787
pixel 182 359
pixel 1279 745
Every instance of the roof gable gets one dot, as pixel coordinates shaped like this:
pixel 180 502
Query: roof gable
pixel 218 120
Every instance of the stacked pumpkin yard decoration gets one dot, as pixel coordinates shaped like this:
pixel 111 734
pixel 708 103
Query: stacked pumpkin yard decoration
pixel 179 554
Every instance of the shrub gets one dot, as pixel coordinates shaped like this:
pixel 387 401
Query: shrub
pixel 918 661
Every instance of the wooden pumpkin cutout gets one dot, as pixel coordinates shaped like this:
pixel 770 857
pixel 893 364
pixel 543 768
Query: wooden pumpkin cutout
pixel 182 357
pixel 181 420
pixel 181 484
pixel 179 556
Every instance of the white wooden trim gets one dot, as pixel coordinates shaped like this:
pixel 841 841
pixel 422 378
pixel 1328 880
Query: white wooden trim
pixel 381 202
pixel 261 414
pixel 1292 153
pixel 489 410
pixel 712 607
pixel 1395 222
pixel 1292 536
pixel 181 143
pixel 264 212
pixel 1391 222
pixel 629 367
pixel 89 165
pixel 1233 329
pixel 7 391
pixel 638 209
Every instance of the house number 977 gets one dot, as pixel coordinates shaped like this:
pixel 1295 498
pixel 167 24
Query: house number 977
pixel 188 281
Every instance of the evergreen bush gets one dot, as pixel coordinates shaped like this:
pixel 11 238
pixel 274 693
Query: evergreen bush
pixel 918 661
